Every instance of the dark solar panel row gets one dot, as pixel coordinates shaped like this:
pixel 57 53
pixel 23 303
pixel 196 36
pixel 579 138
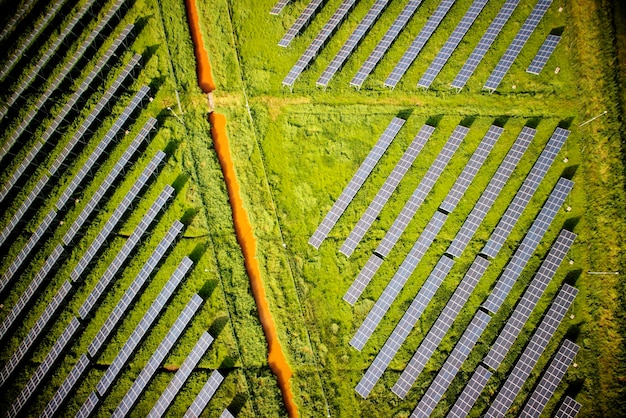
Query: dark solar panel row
pixel 115 218
pixel 318 43
pixel 544 53
pixel 142 328
pixel 17 174
pixel 404 327
pixel 451 44
pixel 301 22
pixel 146 374
pixel 529 299
pixel 279 6
pixel 45 367
pixel 24 207
pixel 568 409
pixel 466 400
pixel 34 333
pixel 31 290
pixel 356 182
pixel 418 43
pixel 128 73
pixel 68 386
pixel 528 245
pixel 537 345
pixel 383 195
pixel 181 376
pixel 353 41
pixel 525 193
pixel 104 143
pixel 398 281
pixel 129 246
pixel 384 44
pixel 205 395
pixel 110 179
pixel 471 169
pixel 491 192
pixel 440 328
pixel 22 10
pixel 133 290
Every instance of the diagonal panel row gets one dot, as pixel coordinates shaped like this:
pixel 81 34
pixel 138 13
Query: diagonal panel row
pixel 301 22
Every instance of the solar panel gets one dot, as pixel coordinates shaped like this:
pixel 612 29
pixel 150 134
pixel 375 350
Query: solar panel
pixel 133 290
pixel 440 327
pixel 205 395
pixel 398 281
pixel 23 209
pixel 356 182
pixel 529 245
pixel 68 386
pixel 227 414
pixel 17 174
pixel 546 49
pixel 532 352
pixel 418 43
pixel 353 41
pixel 383 195
pixel 453 364
pixel 90 405
pixel 471 169
pixel 568 409
pixel 9 27
pixel 146 374
pixel 529 300
pixel 384 44
pixel 484 44
pixel 87 307
pixel 525 193
pixel 278 7
pixel 550 380
pixel 404 327
pixel 465 401
pixel 106 231
pixel 34 333
pixel 503 66
pixel 318 43
pixel 451 44
pixel 142 328
pixel 301 22
pixel 491 192
pixel 181 376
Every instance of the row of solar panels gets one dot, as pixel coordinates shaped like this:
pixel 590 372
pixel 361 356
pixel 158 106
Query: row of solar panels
pixel 418 43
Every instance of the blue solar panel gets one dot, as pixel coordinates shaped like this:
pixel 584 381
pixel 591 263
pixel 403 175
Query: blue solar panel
pixel 17 218
pixel 205 395
pixel 19 171
pixel 301 22
pixel 69 385
pixel 279 6
pixel 544 53
pixel 568 409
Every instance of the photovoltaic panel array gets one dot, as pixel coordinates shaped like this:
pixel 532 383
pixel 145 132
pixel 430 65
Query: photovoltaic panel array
pixel 22 10
pixel 418 43
pixel 146 374
pixel 383 195
pixel 398 281
pixel 491 192
pixel 318 43
pixel 451 44
pixel 356 182
pixel 529 245
pixel 453 364
pixel 465 401
pixel 89 406
pixel 142 328
pixel 529 299
pixel 550 380
pixel 17 174
pixel 568 409
pixel 544 53
pixel 384 44
pixel 532 352
pixel 34 333
pixel 404 327
pixel 68 386
pixel 90 122
pixel 525 193
pixel 119 211
pixel 129 246
pixel 23 209
pixel 440 327
pixel 32 289
pixel 471 169
pixel 44 368
pixel 133 290
pixel 205 395
pixel 109 181
pixel 353 41
pixel 181 376
pixel 226 414
pixel 279 6
pixel 301 22
pixel 104 143
pixel 484 44
pixel 503 66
